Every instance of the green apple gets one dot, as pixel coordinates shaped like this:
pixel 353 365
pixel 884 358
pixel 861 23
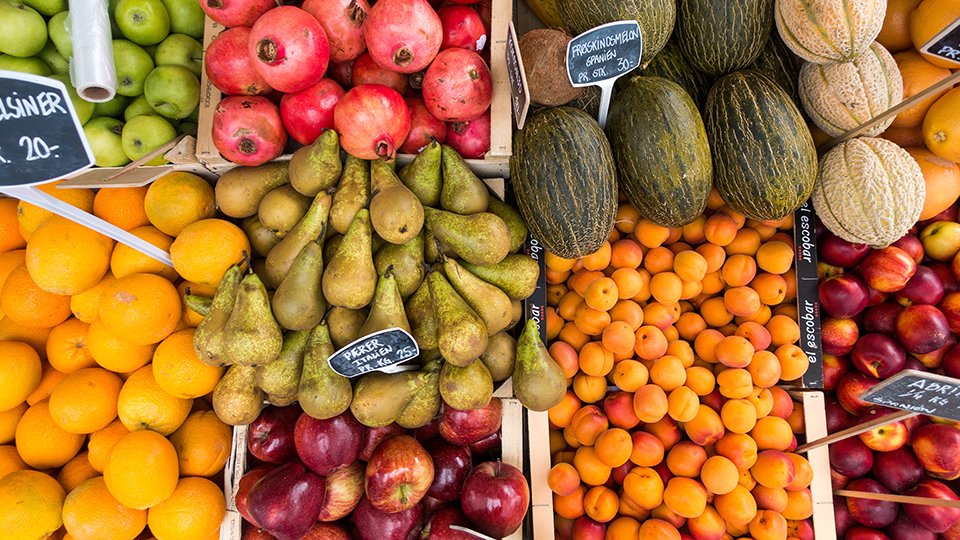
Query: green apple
pixel 83 107
pixel 23 32
pixel 114 107
pixel 180 50
pixel 49 55
pixel 103 134
pixel 185 127
pixel 194 116
pixel 47 8
pixel 151 49
pixel 132 65
pixel 144 134
pixel 57 28
pixel 144 22
pixel 172 91
pixel 186 17
pixel 136 108
pixel 31 64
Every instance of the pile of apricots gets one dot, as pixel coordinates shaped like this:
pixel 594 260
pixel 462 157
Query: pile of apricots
pixel 673 342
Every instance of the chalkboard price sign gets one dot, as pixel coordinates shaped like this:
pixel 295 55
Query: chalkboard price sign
pixel 373 352
pixel 920 392
pixel 605 52
pixel 520 96
pixel 946 44
pixel 41 138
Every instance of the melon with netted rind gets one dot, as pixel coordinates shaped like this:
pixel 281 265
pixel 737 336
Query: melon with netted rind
pixel 826 31
pixel 869 191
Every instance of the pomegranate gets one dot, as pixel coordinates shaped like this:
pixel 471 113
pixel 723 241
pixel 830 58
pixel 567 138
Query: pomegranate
pixel 307 113
pixel 471 139
pixel 248 130
pixel 366 71
pixel 403 35
pixel 372 121
pixel 233 13
pixel 424 127
pixel 457 86
pixel 462 28
pixel 228 65
pixel 342 20
pixel 341 72
pixel 289 49
pixel 485 9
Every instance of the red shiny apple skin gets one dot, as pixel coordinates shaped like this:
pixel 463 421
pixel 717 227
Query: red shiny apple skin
pixel 326 446
pixel 495 498
pixel 487 449
pixel 429 431
pixel 372 436
pixel 950 307
pixel 869 512
pixel 943 270
pixel 888 269
pixel 898 470
pixel 882 318
pixel 953 533
pixel 931 360
pixel 836 251
pixel 467 427
pixel 850 457
pixel 838 336
pixel 344 491
pixel 243 488
pixel 925 287
pixel 327 531
pixel 922 329
pixel 834 368
pixel 885 438
pixel 439 521
pixel 841 516
pixel 878 355
pixel 253 533
pixel 904 528
pixel 948 214
pixel 937 446
pixel 934 518
pixel 911 244
pixel 837 417
pixel 286 501
pixel 875 297
pixel 398 474
pixel 951 362
pixel 843 296
pixel 451 465
pixel 941 240
pixel 860 532
pixel 374 524
pixel 851 386
pixel 270 436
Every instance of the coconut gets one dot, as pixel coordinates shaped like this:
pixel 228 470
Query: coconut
pixel 544 54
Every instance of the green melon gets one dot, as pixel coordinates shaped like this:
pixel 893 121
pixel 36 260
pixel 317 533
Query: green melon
pixel 720 36
pixel 656 18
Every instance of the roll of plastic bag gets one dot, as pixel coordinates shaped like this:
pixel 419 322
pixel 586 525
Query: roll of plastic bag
pixel 92 71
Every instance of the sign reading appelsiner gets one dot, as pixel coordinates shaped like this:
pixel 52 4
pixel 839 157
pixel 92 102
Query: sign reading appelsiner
pixel 605 52
pixel 41 138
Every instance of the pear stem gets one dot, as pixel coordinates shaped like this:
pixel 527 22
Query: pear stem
pixel 246 258
pixel 370 198
pixel 323 320
pixel 439 248
pixel 323 232
pixel 427 266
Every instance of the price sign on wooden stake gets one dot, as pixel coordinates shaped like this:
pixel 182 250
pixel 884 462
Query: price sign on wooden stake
pixel 519 93
pixel 378 351
pixel 599 56
pixel 946 44
pixel 919 392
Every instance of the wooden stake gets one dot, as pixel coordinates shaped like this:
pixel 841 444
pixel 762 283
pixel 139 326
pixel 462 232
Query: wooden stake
pixel 855 430
pixel 926 501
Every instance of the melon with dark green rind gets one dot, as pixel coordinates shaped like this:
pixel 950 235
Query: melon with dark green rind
pixel 661 151
pixel 670 64
pixel 565 181
pixel 720 36
pixel 776 61
pixel 764 159
pixel 656 18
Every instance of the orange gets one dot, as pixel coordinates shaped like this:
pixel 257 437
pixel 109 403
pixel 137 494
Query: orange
pixel 127 260
pixel 85 400
pixel 193 512
pixel 918 74
pixel 10 237
pixel 20 372
pixel 32 503
pixel 76 471
pixel 141 469
pixel 140 308
pixel 122 207
pixel 9 420
pixel 942 178
pixel 204 250
pixel 86 305
pixel 179 371
pixel 927 20
pixel 67 258
pixel 8 261
pixel 67 349
pixel 30 216
pixel 49 379
pixel 100 443
pixel 10 460
pixel 115 354
pixel 26 304
pixel 202 444
pixel 895 33
pixel 90 512
pixel 941 126
pixel 904 137
pixel 178 199
pixel 41 442
pixel 142 404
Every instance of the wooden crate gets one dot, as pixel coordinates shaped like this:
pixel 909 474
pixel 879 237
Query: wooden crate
pixel 815 420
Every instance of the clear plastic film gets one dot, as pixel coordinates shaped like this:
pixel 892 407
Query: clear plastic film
pixel 91 69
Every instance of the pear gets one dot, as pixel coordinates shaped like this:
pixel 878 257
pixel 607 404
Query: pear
pixel 461 333
pixel 330 246
pixel 323 393
pixel 298 303
pixel 252 336
pixel 208 341
pixel 500 356
pixel 421 316
pixel 238 191
pixel 199 304
pixel 538 381
pixel 432 249
pixel 517 275
pixel 395 212
pixel 281 377
pixel 492 304
pixel 316 167
pixel 407 262
pixel 261 238
pixel 345 324
pixel 352 193
pixel 511 216
pixel 422 175
pixel 425 404
pixel 350 279
pixel 277 401
pixel 481 238
pixel 379 398
pixel 462 193
pixel 466 388
pixel 282 208
pixel 236 398
pixel 281 257
pixel 386 309
pixel 517 310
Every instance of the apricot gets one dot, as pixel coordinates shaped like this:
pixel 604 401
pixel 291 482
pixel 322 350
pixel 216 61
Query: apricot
pixel 772 433
pixel 771 288
pixel 666 514
pixel 793 361
pixel 706 427
pixel 773 469
pixel 720 229
pixel 705 344
pixel 782 403
pixel 650 403
pixel 630 375
pixel 692 232
pixel 647 450
pixel 563 479
pixel 686 459
pixel 714 312
pixel 557 263
pixel 682 404
pixel 618 406
pixel 658 529
pixel 764 369
pixel 738 415
pixel 665 430
pixel 644 487
pixel 623 527
pixel 769 498
pixel 762 400
pixel 658 259
pixel 681 349
pixel 734 351
pixel 613 447
pixel 768 525
pixel 735 383
pixel 783 330
pixel 650 234
pixel 668 373
pixel 561 414
pixel 707 526
pixel 746 242
pixel 799 504
pixel 700 380
pixel 739 448
pixel 796 419
pixel 803 472
pixel 719 475
pixel 775 257
pixel 570 506
pixel 650 342
pixel 747 480
pixel 601 503
pixel 736 507
pixel 588 423
pixel 589 388
pixel 627 311
pixel 685 496
pixel 592 471
pixel 625 254
pixel 666 287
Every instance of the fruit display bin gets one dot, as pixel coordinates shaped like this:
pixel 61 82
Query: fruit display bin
pixel 494 164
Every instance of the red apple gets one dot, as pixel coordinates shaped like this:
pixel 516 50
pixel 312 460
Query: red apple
pixel 837 417
pixel 834 367
pixel 286 501
pixel 850 457
pixel 243 488
pixel 470 426
pixel 922 329
pixel 843 296
pixel 441 518
pixel 887 269
pixel 948 214
pixel 911 244
pixel 841 516
pixel 869 512
pixel 487 449
pixel 904 528
pixel 372 436
pixel 878 355
pixel 270 436
pixel 943 270
pixel 375 524
pixel 882 318
pixel 851 386
pixel 398 474
pixel 344 491
pixel 885 438
pixel 326 446
pixel 932 359
pixel 941 240
pixel 451 465
pixel 934 518
pixel 875 297
pixel 864 533
pixel 836 251
pixel 951 362
pixel 838 336
pixel 253 533
pixel 950 307
pixel 495 498
pixel 953 533
pixel 937 446
pixel 925 287
pixel 898 470
pixel 327 531
pixel 426 432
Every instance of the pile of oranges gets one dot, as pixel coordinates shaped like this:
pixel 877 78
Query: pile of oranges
pixel 106 427
pixel 673 342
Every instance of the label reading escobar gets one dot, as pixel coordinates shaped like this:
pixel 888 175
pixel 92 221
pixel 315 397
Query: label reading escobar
pixel 603 53
pixel 808 301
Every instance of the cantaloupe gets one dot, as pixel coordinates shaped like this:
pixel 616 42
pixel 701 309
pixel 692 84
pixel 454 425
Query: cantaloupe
pixel 825 31
pixel 839 97
pixel 869 191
